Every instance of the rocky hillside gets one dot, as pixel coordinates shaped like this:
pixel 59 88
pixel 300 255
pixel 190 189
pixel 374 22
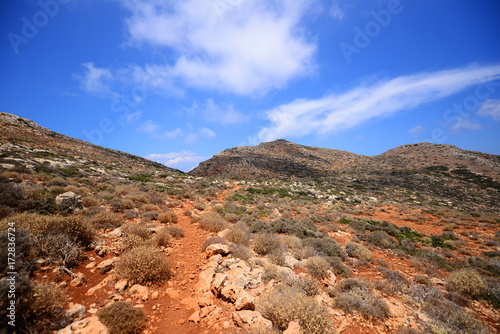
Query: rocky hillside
pixel 281 158
pixel 23 142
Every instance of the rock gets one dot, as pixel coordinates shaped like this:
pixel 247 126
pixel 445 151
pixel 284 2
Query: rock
pixel 77 311
pixel 437 281
pixel 293 328
pixel 230 292
pixel 101 249
pixel 222 234
pixel 248 319
pixel 218 283
pixel 191 303
pixel 216 249
pixel 70 201
pixel 121 284
pixel 90 325
pixel 205 280
pixel 244 302
pixel 140 292
pixel 173 293
pixel 106 265
pixel 155 295
pixel 102 284
pixel 116 233
pixel 78 280
pixel 397 310
pixel 91 265
pixel 195 317
pixel 205 301
pixel 291 262
pixel 330 279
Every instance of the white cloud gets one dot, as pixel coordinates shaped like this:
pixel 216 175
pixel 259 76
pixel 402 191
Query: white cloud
pixel 336 112
pixel 335 11
pixel 490 108
pixel 250 47
pixel 154 130
pixel 192 138
pixel 95 80
pixel 416 129
pixel 129 118
pixel 185 160
pixel 218 113
pixel 465 124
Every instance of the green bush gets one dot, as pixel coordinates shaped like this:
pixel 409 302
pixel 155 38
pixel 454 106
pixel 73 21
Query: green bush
pixel 144 265
pixel 466 282
pixel 264 243
pixel 285 304
pixel 325 246
pixel 123 318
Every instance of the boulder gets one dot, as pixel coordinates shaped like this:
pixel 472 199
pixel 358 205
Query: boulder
pixel 218 283
pixel 116 233
pixel 248 319
pixel 90 325
pixel 216 249
pixel 244 302
pixel 78 280
pixel 106 265
pixel 293 328
pixel 230 292
pixel 76 312
pixel 70 201
pixel 140 292
pixel 121 284
pixel 330 280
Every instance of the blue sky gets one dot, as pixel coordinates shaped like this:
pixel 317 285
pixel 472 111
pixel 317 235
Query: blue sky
pixel 179 81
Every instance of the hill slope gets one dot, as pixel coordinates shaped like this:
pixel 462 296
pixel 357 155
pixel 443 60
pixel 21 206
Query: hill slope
pixel 23 142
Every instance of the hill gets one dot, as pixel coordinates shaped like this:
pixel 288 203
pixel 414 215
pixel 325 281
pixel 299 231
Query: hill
pixel 25 143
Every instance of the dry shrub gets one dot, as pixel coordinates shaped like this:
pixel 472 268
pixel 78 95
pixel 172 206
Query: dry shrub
pixel 308 285
pixel 325 246
pixel 238 236
pixel 123 318
pixel 163 238
pixel 358 251
pixel 231 217
pixel 264 243
pixel 211 241
pixel 466 282
pixel 168 217
pixel 89 201
pixel 240 252
pixel 338 267
pixel 318 267
pixel 380 239
pixel 130 242
pixel 291 241
pixel 150 215
pixel 140 230
pixel 277 256
pixel 357 295
pixel 285 304
pixel 77 228
pixel 213 222
pixel 219 208
pixel 199 206
pixel 175 232
pixel 144 265
pixel 106 220
pixel 150 207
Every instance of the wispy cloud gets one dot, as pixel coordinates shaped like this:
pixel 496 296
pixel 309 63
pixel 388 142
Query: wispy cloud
pixel 250 48
pixel 336 11
pixel 490 108
pixel 156 131
pixel 465 124
pixel 416 129
pixel 218 113
pixel 336 112
pixel 96 80
pixel 185 160
pixel 193 137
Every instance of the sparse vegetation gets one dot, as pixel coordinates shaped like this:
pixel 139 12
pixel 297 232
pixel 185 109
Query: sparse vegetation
pixel 144 265
pixel 123 318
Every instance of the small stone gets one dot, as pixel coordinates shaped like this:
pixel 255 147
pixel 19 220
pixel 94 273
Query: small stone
pixel 293 328
pixel 78 280
pixel 140 292
pixel 195 317
pixel 216 249
pixel 155 295
pixel 121 284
